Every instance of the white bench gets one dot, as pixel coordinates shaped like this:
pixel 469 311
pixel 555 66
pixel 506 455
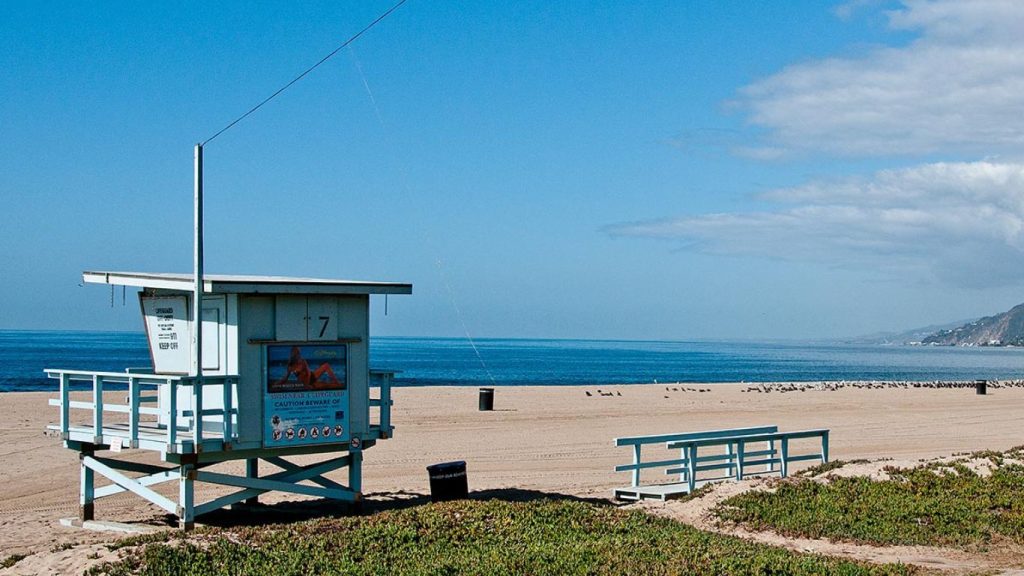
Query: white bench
pixel 743 451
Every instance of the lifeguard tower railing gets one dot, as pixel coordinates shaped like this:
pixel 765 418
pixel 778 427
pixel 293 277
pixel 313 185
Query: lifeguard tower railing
pixel 192 437
pixel 146 423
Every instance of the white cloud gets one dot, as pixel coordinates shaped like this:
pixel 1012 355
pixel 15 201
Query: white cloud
pixel 962 223
pixel 959 87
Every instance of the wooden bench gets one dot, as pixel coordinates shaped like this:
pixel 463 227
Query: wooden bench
pixel 742 452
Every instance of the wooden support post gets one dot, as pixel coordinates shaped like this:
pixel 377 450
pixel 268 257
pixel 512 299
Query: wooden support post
pixel 824 447
pixel 683 470
pixel 252 470
pixel 730 450
pixel 186 494
pixel 355 470
pixel 771 456
pixel 87 490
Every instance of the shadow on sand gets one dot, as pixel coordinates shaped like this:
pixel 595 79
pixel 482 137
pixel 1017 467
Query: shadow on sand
pixel 298 511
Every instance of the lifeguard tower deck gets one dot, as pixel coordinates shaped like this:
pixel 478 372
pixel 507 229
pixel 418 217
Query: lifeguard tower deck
pixel 285 372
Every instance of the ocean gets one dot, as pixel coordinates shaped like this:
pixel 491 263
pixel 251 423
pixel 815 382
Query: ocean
pixel 516 362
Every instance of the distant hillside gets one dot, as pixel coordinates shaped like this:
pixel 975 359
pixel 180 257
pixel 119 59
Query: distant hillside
pixel 1006 329
pixel 914 336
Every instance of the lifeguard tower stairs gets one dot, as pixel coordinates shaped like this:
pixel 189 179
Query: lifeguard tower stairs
pixel 285 372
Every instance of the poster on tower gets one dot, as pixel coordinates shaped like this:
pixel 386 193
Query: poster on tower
pixel 305 395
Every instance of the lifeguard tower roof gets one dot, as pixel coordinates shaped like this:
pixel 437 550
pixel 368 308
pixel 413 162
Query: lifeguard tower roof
pixel 229 284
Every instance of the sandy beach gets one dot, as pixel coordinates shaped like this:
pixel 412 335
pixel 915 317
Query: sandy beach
pixel 538 439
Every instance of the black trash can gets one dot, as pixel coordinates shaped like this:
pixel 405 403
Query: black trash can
pixel 486 399
pixel 981 386
pixel 448 481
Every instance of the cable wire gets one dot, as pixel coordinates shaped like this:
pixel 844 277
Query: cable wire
pixel 404 177
pixel 307 71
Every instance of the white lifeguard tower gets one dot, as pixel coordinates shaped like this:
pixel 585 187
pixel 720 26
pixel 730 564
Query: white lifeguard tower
pixel 285 372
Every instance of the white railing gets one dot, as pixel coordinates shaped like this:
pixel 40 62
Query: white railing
pixel 144 399
pixel 380 378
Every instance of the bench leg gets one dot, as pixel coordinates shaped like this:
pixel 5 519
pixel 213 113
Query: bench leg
pixel 636 462
pixel 739 459
pixel 691 467
pixel 784 457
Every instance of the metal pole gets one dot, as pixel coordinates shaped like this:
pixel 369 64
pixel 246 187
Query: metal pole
pixel 197 295
pixel 185 493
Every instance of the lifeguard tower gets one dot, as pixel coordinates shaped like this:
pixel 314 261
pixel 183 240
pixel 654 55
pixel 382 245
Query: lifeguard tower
pixel 285 372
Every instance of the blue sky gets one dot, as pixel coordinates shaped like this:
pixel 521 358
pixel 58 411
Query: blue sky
pixel 660 170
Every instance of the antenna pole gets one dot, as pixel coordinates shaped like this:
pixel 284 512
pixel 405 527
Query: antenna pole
pixel 197 295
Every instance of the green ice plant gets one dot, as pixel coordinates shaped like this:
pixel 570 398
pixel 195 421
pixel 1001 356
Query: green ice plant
pixel 942 504
pixel 563 537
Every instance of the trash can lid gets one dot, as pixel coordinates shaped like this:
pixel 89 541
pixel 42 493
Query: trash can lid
pixel 447 466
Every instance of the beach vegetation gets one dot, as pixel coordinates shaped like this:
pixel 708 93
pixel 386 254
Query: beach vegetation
pixel 475 537
pixel 11 560
pixel 698 493
pixel 937 503
pixel 820 469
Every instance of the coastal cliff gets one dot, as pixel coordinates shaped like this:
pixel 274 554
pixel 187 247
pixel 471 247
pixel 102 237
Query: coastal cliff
pixel 1006 329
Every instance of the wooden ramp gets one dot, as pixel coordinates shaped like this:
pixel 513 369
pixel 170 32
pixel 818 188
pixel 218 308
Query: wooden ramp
pixel 653 492
pixel 662 492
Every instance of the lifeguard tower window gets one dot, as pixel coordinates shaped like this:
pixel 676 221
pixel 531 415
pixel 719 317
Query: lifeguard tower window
pixel 285 373
pixel 167 324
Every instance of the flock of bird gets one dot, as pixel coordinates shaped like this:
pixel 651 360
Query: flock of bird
pixel 667 389
pixel 600 393
pixel 783 387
